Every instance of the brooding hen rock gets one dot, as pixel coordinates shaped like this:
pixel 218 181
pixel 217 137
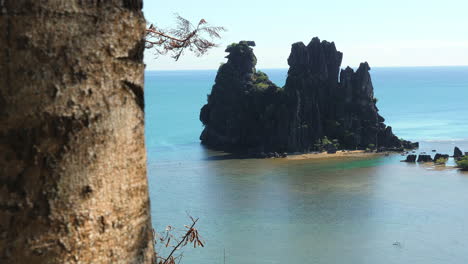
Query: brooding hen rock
pixel 319 106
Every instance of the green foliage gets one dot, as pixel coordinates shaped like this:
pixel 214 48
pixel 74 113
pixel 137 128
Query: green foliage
pixel 261 85
pixel 261 77
pixel 371 146
pixel 463 163
pixel 336 143
pixel 261 80
pixel 323 143
pixel 326 141
pixel 375 100
pixel 441 161
pixel 234 44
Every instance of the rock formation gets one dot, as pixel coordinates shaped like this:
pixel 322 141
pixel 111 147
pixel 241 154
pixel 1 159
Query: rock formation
pixel 318 107
pixel 441 156
pixel 424 158
pixel 410 158
pixel 457 153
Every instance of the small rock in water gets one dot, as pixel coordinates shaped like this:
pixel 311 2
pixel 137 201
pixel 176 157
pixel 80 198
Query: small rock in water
pixel 424 158
pixel 457 153
pixel 441 156
pixel 410 158
pixel 396 243
pixel 434 150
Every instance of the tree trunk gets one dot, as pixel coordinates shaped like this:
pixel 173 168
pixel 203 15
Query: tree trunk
pixel 73 185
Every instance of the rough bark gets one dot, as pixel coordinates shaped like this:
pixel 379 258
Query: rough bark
pixel 73 185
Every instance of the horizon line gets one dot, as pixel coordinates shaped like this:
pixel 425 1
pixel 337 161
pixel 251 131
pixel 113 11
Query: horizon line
pixel 420 66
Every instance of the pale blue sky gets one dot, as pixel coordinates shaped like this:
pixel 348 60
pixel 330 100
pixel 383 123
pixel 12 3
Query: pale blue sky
pixel 384 33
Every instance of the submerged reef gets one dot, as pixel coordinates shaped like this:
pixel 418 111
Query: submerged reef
pixel 320 108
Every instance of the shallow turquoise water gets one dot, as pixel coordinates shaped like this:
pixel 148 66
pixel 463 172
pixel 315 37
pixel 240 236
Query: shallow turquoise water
pixel 309 211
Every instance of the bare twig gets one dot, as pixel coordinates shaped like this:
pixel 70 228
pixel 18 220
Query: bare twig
pixel 191 235
pixel 181 241
pixel 184 36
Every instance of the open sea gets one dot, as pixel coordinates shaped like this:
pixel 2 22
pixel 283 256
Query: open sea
pixel 351 210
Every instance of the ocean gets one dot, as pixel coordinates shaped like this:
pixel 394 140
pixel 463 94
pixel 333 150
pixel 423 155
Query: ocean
pixel 352 210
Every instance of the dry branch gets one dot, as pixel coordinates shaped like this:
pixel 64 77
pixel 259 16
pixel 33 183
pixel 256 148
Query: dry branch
pixel 198 39
pixel 191 236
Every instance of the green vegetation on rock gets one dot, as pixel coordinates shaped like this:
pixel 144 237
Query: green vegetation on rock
pixel 261 81
pixel 441 161
pixel 325 144
pixel 261 76
pixel 463 163
pixel 261 85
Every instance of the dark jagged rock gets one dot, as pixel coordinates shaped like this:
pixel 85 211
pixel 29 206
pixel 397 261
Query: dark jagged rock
pixel 246 111
pixel 440 156
pixel 457 153
pixel 410 158
pixel 331 149
pixel 424 158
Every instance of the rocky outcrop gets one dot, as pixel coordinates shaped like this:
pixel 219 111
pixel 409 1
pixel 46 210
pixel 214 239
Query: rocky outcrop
pixel 319 105
pixel 424 158
pixel 410 158
pixel 457 153
pixel 441 156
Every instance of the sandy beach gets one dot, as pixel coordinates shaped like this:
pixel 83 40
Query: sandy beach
pixel 338 154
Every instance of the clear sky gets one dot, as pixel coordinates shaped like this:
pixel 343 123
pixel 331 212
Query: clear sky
pixel 384 33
